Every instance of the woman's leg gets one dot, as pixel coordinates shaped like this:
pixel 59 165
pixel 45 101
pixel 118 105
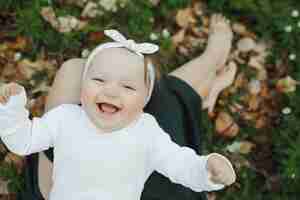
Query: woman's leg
pixel 200 73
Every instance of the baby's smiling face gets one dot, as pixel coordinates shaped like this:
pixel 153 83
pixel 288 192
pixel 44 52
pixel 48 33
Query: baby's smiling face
pixel 114 90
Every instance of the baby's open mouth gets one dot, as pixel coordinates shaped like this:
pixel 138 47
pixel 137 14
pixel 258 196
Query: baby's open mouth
pixel 108 108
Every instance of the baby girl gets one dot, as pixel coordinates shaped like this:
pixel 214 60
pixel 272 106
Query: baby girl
pixel 108 147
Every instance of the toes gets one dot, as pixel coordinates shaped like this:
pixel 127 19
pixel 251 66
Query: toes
pixel 217 21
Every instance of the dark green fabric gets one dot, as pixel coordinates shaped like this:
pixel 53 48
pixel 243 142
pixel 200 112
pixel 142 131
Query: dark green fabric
pixel 177 108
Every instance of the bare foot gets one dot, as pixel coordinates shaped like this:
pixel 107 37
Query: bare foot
pixel 224 79
pixel 219 40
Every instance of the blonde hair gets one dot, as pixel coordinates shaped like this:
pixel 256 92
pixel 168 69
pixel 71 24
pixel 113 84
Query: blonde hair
pixel 150 59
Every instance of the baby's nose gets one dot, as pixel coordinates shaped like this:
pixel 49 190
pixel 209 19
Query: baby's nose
pixel 111 90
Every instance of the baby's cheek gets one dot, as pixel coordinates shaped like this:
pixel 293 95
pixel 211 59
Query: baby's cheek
pixel 136 107
pixel 86 96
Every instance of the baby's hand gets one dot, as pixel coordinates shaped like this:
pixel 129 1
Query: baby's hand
pixel 8 90
pixel 220 169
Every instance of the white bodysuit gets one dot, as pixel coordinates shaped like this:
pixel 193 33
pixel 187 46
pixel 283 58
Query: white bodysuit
pixel 93 166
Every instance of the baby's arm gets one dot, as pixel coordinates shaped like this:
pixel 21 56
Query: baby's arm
pixel 21 135
pixel 180 164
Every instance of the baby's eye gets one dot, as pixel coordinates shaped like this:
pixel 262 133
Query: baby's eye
pixel 99 80
pixel 129 87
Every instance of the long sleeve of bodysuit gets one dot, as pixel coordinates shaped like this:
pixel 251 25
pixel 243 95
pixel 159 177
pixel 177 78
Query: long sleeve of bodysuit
pixel 180 164
pixel 22 135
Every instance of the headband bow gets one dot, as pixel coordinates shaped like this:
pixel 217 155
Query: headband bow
pixel 121 41
pixel 142 48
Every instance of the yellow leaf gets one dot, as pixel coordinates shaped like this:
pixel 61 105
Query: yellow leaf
pixel 185 17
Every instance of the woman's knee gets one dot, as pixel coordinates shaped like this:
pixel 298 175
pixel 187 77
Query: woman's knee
pixel 66 85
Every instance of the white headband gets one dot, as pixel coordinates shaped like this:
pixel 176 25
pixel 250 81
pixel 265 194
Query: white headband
pixel 121 41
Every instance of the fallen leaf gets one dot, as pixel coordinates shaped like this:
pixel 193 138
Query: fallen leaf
pixel 96 36
pixel 178 37
pixel 37 106
pixel 199 32
pixel 243 147
pixel 183 51
pixel 154 2
pixel 198 8
pixel 249 116
pixel 265 91
pixel 257 63
pixel 241 80
pixel 254 86
pixel 242 30
pixel 19 45
pixel 18 161
pixel 254 103
pixel 261 122
pixel 246 44
pixel 246 147
pixel 49 15
pixel 185 17
pixel 91 10
pixel 286 85
pixel 225 125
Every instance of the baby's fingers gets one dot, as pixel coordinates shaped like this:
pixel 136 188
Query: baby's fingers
pixel 14 89
pixel 8 90
pixel 4 95
pixel 3 99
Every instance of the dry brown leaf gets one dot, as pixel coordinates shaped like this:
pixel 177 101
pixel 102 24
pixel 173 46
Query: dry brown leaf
pixel 96 36
pixel 63 24
pixel 286 85
pixel 185 17
pixel 256 62
pixel 199 8
pixel 178 37
pixel 254 103
pixel 261 122
pixel 235 56
pixel 225 125
pixel 43 87
pixel 192 42
pixel 236 108
pixel 91 10
pixel 18 161
pixel 19 45
pixel 249 116
pixel 27 68
pixel 49 15
pixel 243 147
pixel 265 91
pixel 254 87
pixel 246 44
pixel 66 24
pixel 2 148
pixel 183 51
pixel 205 21
pixel 241 29
pixel 154 2
pixel 198 32
pixel 11 73
pixel 241 80
pixel 37 105
pixel 246 147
